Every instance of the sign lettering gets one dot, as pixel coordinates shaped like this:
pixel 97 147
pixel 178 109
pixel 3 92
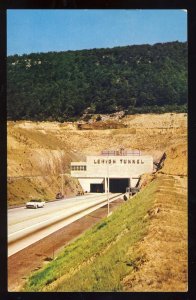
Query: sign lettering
pixel 121 161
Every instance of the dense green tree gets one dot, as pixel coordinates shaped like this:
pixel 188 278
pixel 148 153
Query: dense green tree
pixel 60 86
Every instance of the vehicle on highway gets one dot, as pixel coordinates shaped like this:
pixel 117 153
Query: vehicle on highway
pixel 35 203
pixel 80 193
pixel 59 195
pixel 132 191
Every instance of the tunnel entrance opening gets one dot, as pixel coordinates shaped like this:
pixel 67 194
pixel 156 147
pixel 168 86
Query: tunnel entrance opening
pixel 96 188
pixel 119 185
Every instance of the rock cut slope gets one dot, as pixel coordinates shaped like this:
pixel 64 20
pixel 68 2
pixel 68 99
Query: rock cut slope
pixel 39 151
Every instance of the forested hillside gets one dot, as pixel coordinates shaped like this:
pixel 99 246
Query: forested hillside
pixel 60 86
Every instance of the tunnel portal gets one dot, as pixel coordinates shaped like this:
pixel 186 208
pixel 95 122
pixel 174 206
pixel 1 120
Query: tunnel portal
pixel 119 185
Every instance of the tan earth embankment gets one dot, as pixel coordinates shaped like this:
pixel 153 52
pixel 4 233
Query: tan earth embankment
pixel 39 151
pixel 176 161
pixel 164 249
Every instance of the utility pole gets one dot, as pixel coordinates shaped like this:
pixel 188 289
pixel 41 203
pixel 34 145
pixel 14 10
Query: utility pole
pixel 62 184
pixel 108 186
pixel 62 179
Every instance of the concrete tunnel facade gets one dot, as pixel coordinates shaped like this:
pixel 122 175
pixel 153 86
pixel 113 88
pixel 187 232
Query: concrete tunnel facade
pixel 113 170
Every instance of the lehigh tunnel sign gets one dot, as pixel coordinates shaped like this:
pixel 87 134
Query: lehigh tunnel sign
pixel 123 170
pixel 118 161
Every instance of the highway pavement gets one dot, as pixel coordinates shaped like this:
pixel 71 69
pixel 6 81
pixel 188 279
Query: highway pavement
pixel 26 226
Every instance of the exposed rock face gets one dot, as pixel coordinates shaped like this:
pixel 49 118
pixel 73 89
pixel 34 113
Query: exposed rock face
pixel 177 160
pixel 39 151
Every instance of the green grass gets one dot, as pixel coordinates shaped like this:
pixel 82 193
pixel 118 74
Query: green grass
pixel 103 255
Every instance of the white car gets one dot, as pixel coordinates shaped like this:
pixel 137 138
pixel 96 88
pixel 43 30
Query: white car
pixel 35 203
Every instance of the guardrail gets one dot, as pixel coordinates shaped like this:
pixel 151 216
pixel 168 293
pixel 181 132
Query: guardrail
pixel 23 233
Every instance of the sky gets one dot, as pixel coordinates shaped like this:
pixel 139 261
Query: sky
pixel 75 29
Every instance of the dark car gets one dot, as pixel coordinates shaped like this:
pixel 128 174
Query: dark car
pixel 59 196
pixel 135 190
pixel 80 193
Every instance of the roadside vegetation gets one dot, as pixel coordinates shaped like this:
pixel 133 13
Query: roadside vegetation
pixel 98 260
pixel 142 246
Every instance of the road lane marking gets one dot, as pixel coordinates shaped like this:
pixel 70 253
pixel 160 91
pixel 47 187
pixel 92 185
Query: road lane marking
pixel 58 217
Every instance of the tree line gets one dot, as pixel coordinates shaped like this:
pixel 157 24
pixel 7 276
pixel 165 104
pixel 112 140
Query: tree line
pixel 62 85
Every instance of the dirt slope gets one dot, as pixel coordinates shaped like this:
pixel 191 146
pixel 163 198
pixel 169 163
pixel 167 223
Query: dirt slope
pixel 39 151
pixel 164 249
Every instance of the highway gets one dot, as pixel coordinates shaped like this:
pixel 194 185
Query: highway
pixel 27 226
